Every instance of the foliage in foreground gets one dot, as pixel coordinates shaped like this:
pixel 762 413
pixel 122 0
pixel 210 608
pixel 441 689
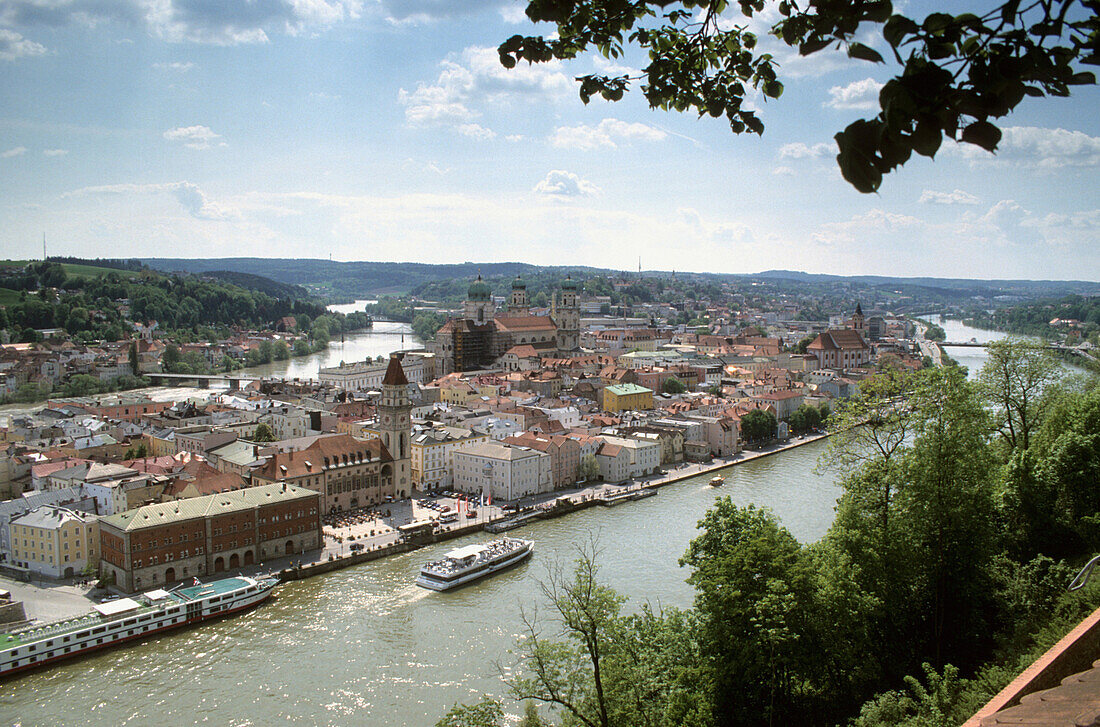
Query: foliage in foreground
pixel 942 576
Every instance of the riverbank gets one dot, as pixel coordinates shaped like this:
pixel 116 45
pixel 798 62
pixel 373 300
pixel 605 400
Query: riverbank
pixel 547 506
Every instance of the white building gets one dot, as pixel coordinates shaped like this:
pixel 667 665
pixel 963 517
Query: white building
pixel 54 541
pixel 368 375
pixel 645 456
pixel 501 472
pixel 433 454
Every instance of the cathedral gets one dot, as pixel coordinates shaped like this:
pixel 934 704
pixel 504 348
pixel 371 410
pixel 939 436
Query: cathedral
pixel 481 336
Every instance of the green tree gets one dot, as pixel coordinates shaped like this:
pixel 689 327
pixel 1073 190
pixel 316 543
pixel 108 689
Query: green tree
pixel 263 433
pixel 673 385
pixel 954 72
pixel 83 385
pixel 758 424
pixel 170 357
pixel 132 354
pixel 755 594
pixel 137 451
pixel 1012 381
pixel 589 468
pixel 531 716
pixel 486 713
pixel 281 351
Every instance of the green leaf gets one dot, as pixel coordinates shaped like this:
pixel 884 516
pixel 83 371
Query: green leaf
pixel 773 89
pixel 507 61
pixel 864 53
pixel 927 138
pixel 896 28
pixel 982 133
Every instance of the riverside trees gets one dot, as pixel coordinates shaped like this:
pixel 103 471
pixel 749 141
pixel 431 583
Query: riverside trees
pixel 935 569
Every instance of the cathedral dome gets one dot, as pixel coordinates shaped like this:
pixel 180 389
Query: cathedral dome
pixel 568 283
pixel 479 290
pixel 518 284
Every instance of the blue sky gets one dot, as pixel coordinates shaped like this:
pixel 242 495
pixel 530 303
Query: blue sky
pixel 387 130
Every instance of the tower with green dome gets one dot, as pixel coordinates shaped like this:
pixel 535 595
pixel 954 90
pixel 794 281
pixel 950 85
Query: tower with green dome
pixel 479 302
pixel 518 304
pixel 567 316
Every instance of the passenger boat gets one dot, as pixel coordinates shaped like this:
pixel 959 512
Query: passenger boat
pixel 128 619
pixel 471 562
pixel 717 481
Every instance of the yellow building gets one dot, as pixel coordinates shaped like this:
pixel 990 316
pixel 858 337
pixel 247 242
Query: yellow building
pixel 54 541
pixel 627 397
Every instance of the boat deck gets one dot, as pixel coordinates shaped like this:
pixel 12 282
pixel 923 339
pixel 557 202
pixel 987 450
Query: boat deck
pixel 31 634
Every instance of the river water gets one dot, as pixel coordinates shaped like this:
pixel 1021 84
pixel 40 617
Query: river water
pixel 365 646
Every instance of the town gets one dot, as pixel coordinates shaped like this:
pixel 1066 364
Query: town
pixel 509 404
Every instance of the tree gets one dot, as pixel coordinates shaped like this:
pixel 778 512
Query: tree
pixel 135 364
pixel 1012 381
pixel 955 73
pixel 83 385
pixel 281 351
pixel 673 385
pixel 758 424
pixel 263 433
pixel 170 357
pixel 486 713
pixel 755 595
pixel 137 451
pixel 589 468
pixel 569 674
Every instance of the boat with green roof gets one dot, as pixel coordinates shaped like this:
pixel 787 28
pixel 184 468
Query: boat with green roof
pixel 129 619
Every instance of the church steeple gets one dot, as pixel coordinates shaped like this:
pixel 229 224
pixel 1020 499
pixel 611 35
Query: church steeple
pixel 857 318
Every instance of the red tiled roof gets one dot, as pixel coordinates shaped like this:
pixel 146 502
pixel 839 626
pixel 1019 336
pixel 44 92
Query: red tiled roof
pixel 525 323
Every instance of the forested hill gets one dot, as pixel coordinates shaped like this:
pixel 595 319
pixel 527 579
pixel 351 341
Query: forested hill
pixel 342 279
pixel 365 279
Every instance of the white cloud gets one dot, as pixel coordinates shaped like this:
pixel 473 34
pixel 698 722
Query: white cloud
pixel 956 197
pixel 217 23
pixel 475 131
pixel 515 137
pixel 426 11
pixel 798 150
pixel 13 152
pixel 13 45
pixel 474 78
pixel 604 135
pixel 188 195
pixel 175 66
pixel 783 172
pixel 559 183
pixel 514 14
pixel 194 137
pixel 1036 147
pixel 860 95
pixel 858 228
pixel 55 152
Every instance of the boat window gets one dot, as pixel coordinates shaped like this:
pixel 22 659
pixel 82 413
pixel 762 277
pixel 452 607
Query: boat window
pixel 99 630
pixel 82 634
pixel 30 648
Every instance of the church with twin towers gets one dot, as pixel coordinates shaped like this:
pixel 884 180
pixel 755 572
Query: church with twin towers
pixel 484 338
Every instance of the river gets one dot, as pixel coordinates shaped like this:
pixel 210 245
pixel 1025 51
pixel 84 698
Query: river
pixel 972 358
pixel 365 646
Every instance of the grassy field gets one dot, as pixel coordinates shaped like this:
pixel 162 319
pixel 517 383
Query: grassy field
pixel 8 296
pixel 85 271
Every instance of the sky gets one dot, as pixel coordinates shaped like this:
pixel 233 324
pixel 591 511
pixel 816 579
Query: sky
pixel 388 130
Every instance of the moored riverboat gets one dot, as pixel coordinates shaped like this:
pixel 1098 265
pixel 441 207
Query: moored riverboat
pixel 129 619
pixel 472 562
pixel 717 481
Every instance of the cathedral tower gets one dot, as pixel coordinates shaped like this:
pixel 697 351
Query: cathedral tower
pixel 395 425
pixel 567 316
pixel 479 302
pixel 518 304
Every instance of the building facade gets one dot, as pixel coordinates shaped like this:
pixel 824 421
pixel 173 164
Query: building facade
pixel 161 544
pixel 55 542
pixel 501 472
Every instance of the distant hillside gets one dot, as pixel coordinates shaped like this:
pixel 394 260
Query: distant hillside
pixel 987 288
pixel 257 282
pixel 364 279
pixel 346 279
